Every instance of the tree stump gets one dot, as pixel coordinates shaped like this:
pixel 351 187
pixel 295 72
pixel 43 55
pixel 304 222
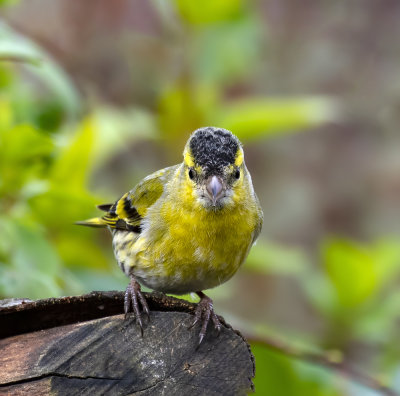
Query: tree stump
pixel 83 346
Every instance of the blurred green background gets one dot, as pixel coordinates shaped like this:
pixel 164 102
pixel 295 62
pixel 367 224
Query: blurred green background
pixel 95 95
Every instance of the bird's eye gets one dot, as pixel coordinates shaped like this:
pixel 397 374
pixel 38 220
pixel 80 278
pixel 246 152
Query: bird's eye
pixel 237 174
pixel 191 174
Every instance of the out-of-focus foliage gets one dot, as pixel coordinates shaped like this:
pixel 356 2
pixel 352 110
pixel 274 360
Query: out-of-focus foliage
pixel 56 83
pixel 356 289
pixel 267 257
pixel 64 150
pixel 284 376
pixel 49 158
pixel 43 187
pixel 253 118
pixel 210 12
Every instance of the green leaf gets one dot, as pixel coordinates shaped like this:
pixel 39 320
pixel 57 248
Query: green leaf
pixel 72 166
pixel 270 258
pixel 386 254
pixel 67 198
pixel 279 375
pixel 255 118
pixel 33 264
pixel 24 143
pixel 25 153
pixel 351 269
pixel 59 208
pixel 209 11
pixel 275 374
pixel 182 109
pixel 4 3
pixel 78 249
pixel 6 115
pixel 16 48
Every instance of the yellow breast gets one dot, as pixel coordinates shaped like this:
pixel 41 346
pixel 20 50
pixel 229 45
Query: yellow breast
pixel 186 248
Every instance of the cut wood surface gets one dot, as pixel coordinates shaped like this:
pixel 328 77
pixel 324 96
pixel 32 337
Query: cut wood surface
pixel 83 346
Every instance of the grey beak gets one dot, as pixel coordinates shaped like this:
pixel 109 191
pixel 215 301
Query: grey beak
pixel 215 188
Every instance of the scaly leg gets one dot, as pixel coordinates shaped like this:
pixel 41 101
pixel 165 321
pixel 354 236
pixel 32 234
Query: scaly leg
pixel 133 296
pixel 203 313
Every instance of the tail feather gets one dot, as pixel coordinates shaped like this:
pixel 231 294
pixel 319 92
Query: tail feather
pixel 105 207
pixel 95 222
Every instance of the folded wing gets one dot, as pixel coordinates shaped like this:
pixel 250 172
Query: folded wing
pixel 128 211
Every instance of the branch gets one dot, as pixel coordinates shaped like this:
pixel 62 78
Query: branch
pixel 24 317
pixel 86 345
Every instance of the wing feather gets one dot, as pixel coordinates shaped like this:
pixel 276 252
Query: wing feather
pixel 128 211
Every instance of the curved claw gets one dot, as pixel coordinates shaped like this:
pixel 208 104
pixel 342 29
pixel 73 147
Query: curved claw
pixel 133 296
pixel 217 323
pixel 203 313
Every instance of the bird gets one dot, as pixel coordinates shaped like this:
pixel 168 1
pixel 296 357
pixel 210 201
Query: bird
pixel 188 227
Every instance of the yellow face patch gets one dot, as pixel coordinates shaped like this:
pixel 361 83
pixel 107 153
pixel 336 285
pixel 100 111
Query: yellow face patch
pixel 239 157
pixel 188 158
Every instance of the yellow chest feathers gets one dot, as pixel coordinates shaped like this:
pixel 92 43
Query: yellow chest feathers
pixel 199 237
pixel 185 246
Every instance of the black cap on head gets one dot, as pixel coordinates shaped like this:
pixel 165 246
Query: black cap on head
pixel 213 148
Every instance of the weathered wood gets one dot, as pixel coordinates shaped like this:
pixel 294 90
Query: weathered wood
pixel 84 346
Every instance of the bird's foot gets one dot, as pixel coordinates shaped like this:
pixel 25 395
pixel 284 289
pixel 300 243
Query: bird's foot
pixel 203 313
pixel 134 296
